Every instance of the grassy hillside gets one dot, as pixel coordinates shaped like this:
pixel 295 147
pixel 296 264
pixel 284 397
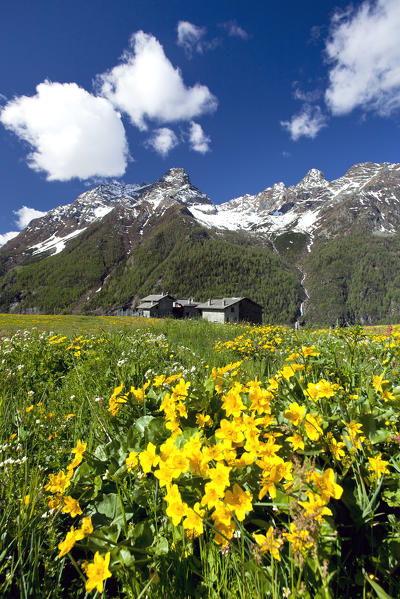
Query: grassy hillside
pixel 350 279
pixel 178 256
pixel 354 279
pixel 190 261
pixel 56 283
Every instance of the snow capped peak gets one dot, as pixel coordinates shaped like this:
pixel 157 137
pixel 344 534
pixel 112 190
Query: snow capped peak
pixel 314 178
pixel 176 177
pixel 113 191
pixel 175 186
pixel 368 196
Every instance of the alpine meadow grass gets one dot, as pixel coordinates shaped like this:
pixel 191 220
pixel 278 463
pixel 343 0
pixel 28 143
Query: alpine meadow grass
pixel 174 459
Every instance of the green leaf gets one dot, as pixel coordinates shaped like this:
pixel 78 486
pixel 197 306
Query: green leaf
pixel 110 506
pixel 142 423
pixel 377 588
pixel 162 547
pixel 143 534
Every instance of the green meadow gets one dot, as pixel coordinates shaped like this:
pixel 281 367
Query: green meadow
pixel 176 459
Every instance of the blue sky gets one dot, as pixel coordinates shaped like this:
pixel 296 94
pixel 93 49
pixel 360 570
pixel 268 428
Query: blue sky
pixel 242 94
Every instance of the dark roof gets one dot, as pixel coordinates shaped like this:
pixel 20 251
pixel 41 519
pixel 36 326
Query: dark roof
pixel 183 301
pixel 225 302
pixel 220 304
pixel 147 305
pixel 155 298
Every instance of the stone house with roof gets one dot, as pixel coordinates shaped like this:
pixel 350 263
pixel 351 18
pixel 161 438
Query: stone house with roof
pixel 156 306
pixel 231 309
pixel 186 308
pixel 227 309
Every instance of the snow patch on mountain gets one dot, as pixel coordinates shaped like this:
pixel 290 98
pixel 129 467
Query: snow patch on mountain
pixel 101 211
pixel 54 243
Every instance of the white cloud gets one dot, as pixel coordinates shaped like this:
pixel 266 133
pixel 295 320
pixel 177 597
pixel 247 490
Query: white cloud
pixel 199 141
pixel 7 236
pixel 306 123
pixel 147 86
pixel 190 37
pixel 364 49
pixel 310 96
pixel 72 133
pixel 234 30
pixel 162 141
pixel 25 215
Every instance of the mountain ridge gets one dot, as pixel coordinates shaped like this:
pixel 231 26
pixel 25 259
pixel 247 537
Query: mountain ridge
pixel 286 221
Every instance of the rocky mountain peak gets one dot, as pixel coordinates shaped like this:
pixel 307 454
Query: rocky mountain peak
pixel 175 177
pixel 314 178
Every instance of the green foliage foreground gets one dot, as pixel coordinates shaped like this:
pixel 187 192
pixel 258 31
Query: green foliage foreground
pixel 147 463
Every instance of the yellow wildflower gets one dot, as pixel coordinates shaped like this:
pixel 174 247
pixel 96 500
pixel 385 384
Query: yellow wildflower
pixel 312 426
pixel 80 448
pixel 212 495
pixel 309 351
pixel 325 389
pixel 69 541
pixel 159 380
pixel 139 392
pixel 193 520
pixel 315 506
pixel 148 458
pixel 378 465
pixel 86 526
pixel 336 448
pixel 203 420
pixel 232 402
pixel 269 543
pixel 238 501
pixel 378 381
pixel 165 473
pixel 181 389
pixel 299 540
pixel 312 391
pixel 229 430
pixel 386 394
pixel 97 572
pixel 326 485
pixel 54 502
pixel 296 442
pixel 116 400
pixel 353 433
pixel 172 378
pixel 57 483
pixel 295 413
pixel 71 507
pixel 131 461
pixel 219 476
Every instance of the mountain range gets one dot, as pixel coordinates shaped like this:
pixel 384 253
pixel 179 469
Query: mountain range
pixel 319 252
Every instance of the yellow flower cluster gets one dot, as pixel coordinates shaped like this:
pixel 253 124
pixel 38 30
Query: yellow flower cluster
pixel 75 535
pixel 59 483
pixel 254 340
pixel 244 438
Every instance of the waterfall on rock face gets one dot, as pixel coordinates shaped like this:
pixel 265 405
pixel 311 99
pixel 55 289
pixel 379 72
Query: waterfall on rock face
pixel 298 322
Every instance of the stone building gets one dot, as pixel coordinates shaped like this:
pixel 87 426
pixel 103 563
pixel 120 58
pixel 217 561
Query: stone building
pixel 231 309
pixel 156 306
pixel 186 308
